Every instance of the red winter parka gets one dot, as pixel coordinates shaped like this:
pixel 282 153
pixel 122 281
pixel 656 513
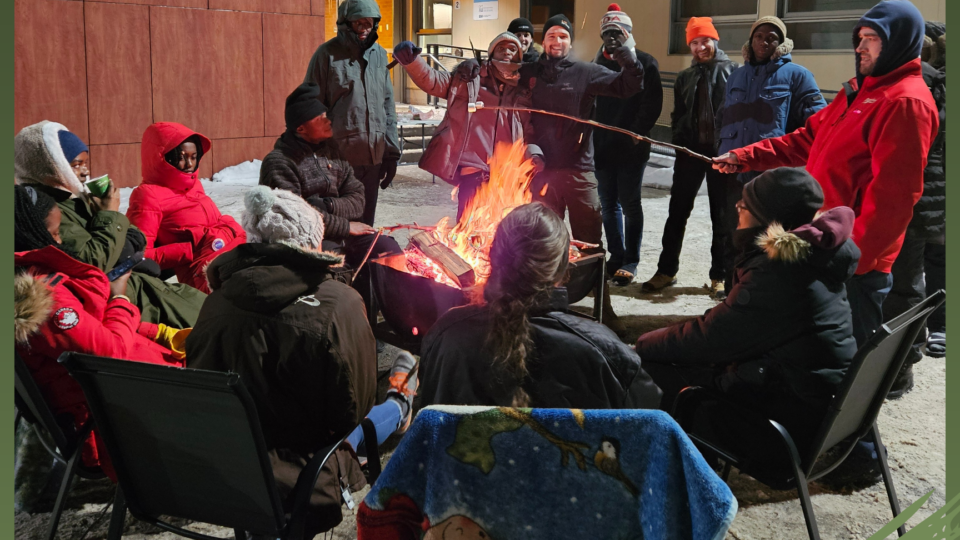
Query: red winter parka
pixel 183 226
pixel 61 305
pixel 868 154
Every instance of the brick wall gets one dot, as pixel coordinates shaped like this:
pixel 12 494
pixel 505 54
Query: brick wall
pixel 108 69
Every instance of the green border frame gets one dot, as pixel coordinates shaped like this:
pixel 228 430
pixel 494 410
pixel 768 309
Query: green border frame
pixel 6 246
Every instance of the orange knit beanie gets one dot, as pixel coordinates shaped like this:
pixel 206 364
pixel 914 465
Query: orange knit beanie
pixel 701 27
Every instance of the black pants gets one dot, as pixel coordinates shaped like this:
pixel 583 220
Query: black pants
pixel 935 266
pixel 573 191
pixel 369 176
pixel 353 250
pixel 866 293
pixel 467 186
pixel 909 288
pixel 723 191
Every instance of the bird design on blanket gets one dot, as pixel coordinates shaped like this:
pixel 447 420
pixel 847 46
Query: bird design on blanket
pixel 607 460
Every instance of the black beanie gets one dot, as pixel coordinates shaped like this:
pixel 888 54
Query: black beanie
pixel 303 106
pixel 787 196
pixel 560 20
pixel 520 25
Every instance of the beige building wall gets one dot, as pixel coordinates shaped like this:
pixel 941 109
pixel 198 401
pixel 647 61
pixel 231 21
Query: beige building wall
pixel 651 30
pixel 481 32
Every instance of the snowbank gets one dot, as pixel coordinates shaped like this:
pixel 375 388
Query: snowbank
pixel 244 174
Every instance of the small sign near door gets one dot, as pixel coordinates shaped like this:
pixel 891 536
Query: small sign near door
pixel 456 4
pixel 485 10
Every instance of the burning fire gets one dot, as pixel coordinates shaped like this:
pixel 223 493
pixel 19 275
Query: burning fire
pixel 508 188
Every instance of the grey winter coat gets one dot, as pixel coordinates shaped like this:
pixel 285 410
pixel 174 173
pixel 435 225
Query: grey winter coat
pixel 320 176
pixel 465 139
pixel 683 119
pixel 355 86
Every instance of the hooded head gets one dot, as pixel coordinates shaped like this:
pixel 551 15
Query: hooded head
pixel 158 140
pixel 39 158
pixel 900 27
pixel 354 10
pixel 277 216
pixel 784 48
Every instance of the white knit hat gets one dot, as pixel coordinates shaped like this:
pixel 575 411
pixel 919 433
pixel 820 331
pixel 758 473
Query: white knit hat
pixel 617 19
pixel 277 216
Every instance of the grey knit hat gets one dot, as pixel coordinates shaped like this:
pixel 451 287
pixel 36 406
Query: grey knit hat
pixel 277 216
pixel 505 36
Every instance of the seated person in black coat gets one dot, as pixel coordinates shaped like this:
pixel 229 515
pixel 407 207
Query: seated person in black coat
pixel 306 161
pixel 521 348
pixel 783 338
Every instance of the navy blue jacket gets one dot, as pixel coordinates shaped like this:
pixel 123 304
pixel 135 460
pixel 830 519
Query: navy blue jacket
pixel 766 100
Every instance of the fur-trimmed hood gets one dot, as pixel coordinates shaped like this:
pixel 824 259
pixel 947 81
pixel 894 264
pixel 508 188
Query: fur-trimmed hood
pixel 783 51
pixel 32 305
pixel 824 243
pixel 267 277
pixel 39 159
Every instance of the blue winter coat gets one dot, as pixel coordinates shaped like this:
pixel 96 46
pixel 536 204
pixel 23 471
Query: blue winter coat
pixel 767 100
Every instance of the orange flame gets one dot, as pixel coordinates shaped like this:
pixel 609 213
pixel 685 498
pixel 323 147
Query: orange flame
pixel 507 188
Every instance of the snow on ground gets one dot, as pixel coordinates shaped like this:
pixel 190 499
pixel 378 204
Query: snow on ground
pixel 243 174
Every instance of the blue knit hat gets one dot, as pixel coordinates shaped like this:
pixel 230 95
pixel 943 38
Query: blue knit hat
pixel 71 144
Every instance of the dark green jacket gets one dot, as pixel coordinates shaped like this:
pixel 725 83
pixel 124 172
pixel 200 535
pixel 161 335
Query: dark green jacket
pixel 356 88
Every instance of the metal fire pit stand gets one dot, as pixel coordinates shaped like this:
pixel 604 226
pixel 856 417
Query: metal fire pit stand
pixel 383 332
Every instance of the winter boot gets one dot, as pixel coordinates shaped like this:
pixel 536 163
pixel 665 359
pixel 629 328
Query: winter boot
pixel 658 282
pixel 903 382
pixel 403 386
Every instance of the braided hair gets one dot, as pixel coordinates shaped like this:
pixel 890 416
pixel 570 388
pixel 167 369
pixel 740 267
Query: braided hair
pixel 31 208
pixel 174 156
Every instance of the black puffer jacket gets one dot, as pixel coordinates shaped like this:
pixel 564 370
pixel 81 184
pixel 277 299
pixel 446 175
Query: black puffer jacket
pixel 320 176
pixel 299 340
pixel 576 363
pixel 683 119
pixel 786 324
pixel 929 214
pixel 569 87
pixel 638 113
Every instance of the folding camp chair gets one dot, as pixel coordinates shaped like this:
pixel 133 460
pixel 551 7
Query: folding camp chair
pixel 851 416
pixel 61 439
pixel 187 443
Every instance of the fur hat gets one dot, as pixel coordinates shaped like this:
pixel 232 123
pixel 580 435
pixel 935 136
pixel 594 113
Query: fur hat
pixel 277 216
pixel 38 158
pixel 786 44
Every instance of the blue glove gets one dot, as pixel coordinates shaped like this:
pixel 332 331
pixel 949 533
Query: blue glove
pixel 406 52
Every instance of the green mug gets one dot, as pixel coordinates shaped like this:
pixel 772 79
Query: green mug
pixel 99 186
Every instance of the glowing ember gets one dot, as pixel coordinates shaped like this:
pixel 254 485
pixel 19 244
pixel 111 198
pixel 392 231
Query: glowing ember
pixel 507 188
pixel 420 264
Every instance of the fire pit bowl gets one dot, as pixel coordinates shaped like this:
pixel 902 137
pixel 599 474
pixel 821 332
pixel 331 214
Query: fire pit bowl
pixel 409 301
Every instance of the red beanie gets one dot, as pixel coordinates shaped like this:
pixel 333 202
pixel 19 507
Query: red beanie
pixel 701 27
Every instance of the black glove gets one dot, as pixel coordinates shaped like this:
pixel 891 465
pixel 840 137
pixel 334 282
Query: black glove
pixel 625 57
pixel 136 240
pixel 388 170
pixel 318 202
pixel 148 267
pixel 469 69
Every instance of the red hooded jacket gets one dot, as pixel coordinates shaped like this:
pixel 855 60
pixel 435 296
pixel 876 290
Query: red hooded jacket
pixel 63 305
pixel 183 226
pixel 868 155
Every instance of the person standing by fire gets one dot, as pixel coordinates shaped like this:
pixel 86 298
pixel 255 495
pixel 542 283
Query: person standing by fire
pixel 698 97
pixel 351 71
pixel 563 85
pixel 464 163
pixel 620 160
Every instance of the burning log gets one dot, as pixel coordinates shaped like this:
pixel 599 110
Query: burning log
pixel 452 264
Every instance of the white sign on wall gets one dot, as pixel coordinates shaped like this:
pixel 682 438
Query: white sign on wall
pixel 456 4
pixel 485 10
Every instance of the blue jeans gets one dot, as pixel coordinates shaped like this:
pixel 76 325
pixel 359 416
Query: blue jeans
pixel 866 293
pixel 622 213
pixel 386 420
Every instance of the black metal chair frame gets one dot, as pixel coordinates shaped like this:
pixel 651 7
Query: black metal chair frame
pixel 297 503
pixel 67 446
pixel 830 434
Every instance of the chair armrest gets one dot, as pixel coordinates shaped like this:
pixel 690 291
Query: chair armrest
pixel 300 496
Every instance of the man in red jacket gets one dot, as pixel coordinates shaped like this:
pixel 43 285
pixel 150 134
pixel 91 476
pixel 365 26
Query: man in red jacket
pixel 868 149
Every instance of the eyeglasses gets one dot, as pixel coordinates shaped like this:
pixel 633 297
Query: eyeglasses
pixel 741 207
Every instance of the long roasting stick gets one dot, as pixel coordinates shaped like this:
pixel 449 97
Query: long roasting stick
pixel 629 133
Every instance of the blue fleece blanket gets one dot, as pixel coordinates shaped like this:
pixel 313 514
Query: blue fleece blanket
pixel 500 473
